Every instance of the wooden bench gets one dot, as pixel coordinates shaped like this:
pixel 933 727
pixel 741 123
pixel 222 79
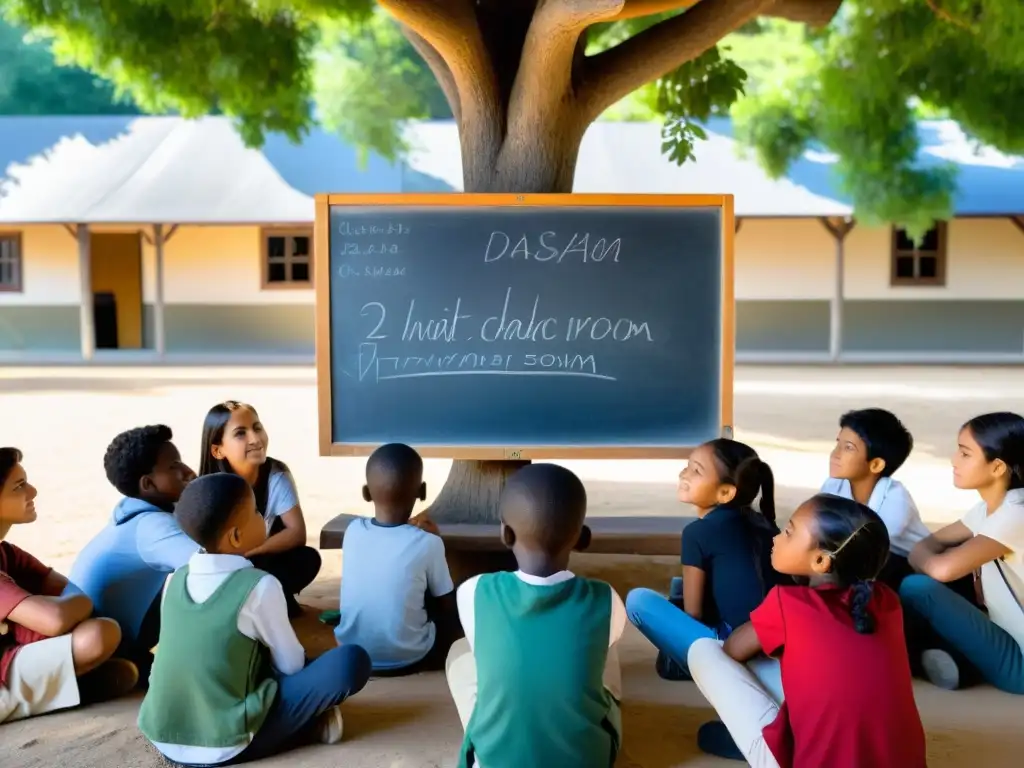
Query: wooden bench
pixel 655 535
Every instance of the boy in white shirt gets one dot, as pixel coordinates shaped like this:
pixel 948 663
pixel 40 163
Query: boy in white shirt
pixel 230 681
pixel 872 444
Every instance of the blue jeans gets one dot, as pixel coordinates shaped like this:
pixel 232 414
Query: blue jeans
pixel 961 629
pixel 669 629
pixel 302 697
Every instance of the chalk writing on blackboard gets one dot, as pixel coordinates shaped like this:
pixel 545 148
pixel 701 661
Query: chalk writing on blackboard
pixel 549 246
pixel 350 229
pixel 374 366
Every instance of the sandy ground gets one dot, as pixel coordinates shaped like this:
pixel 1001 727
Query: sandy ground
pixel 63 418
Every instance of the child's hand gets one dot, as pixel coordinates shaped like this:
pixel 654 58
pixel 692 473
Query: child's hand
pixel 424 523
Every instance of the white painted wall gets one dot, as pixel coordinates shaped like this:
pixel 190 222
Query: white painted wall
pixel 49 268
pixel 776 259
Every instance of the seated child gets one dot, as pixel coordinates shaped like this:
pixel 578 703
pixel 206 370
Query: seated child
pixel 536 680
pixel 848 700
pixel 394 575
pixel 213 696
pixel 52 655
pixel 726 554
pixel 956 638
pixel 234 440
pixel 124 567
pixel 872 444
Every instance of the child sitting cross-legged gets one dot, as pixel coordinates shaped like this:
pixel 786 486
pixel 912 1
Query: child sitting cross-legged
pixel 536 680
pixel 230 683
pixel 397 596
pixel 124 567
pixel 846 699
pixel 52 654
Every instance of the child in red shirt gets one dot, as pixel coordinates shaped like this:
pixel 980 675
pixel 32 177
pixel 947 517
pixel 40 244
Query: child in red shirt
pixel 52 655
pixel 849 699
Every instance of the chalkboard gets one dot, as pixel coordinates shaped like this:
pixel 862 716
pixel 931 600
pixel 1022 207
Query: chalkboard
pixel 501 326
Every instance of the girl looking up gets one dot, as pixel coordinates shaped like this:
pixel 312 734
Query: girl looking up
pixel 235 441
pixel 726 554
pixel 849 699
pixel 949 636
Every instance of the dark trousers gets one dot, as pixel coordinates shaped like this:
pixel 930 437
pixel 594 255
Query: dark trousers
pixel 937 616
pixel 303 697
pixel 141 651
pixel 294 568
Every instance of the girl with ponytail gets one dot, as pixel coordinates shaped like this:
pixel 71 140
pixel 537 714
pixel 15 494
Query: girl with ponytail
pixel 842 658
pixel 726 554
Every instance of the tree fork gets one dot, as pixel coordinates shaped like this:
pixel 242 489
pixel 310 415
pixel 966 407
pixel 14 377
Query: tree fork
pixel 523 93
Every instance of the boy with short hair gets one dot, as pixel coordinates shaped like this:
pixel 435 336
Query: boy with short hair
pixel 872 444
pixel 124 567
pixel 536 681
pixel 397 595
pixel 212 696
pixel 52 654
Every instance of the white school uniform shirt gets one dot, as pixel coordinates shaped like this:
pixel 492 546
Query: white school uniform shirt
pixel 465 598
pixel 263 618
pixel 1004 592
pixel 892 502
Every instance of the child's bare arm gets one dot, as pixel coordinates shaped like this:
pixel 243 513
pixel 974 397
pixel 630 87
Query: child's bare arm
pixel 743 644
pixel 51 616
pixel 54 584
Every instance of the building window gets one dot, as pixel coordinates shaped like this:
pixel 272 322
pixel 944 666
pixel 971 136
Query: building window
pixel 10 262
pixel 919 263
pixel 287 258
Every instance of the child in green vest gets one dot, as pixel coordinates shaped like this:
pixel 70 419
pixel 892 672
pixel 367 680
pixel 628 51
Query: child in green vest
pixel 536 680
pixel 230 683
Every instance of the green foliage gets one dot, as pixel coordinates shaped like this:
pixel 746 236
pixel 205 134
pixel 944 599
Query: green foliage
pixel 31 83
pixel 368 79
pixel 860 88
pixel 249 60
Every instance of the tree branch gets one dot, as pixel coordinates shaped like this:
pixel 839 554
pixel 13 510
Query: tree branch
pixel 817 13
pixel 438 66
pixel 543 83
pixel 653 53
pixel 635 9
pixel 451 29
pixel 814 13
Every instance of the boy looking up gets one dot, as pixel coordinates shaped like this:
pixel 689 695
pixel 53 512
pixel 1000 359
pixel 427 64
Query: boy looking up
pixel 872 444
pixel 124 567
pixel 534 680
pixel 397 596
pixel 212 695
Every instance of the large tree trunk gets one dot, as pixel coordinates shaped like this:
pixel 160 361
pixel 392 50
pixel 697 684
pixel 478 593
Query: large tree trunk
pixel 523 92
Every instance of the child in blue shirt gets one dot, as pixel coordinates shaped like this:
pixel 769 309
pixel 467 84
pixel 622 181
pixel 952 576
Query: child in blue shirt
pixel 397 596
pixel 123 568
pixel 871 445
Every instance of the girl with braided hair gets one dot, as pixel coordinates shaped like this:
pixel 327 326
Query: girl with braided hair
pixel 838 639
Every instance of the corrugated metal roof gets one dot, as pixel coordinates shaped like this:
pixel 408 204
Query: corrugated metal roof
pixel 165 169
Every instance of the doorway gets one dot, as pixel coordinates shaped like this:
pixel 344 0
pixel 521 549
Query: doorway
pixel 117 289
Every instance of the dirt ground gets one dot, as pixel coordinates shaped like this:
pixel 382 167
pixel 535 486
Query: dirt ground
pixel 62 418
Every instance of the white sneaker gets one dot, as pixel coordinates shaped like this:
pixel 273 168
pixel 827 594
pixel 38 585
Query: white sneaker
pixel 330 726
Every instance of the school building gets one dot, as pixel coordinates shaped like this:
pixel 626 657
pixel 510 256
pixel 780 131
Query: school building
pixel 147 239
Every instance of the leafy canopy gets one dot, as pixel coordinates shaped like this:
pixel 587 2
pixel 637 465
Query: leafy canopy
pixel 855 89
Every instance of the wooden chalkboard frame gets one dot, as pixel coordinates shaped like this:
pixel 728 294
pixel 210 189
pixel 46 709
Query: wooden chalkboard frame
pixel 322 282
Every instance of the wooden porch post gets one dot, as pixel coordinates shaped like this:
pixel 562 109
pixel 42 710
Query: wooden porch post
pixel 87 320
pixel 159 333
pixel 839 228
